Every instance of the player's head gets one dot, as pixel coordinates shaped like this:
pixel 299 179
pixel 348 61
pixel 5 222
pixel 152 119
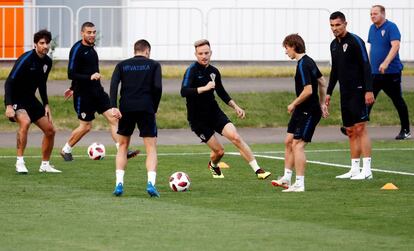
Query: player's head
pixel 338 24
pixel 41 41
pixel 88 33
pixel 294 44
pixel 142 47
pixel 378 14
pixel 203 51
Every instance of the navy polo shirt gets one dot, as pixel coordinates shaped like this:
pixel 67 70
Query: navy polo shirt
pixel 380 39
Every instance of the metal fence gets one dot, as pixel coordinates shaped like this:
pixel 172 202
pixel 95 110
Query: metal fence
pixel 33 18
pixel 235 33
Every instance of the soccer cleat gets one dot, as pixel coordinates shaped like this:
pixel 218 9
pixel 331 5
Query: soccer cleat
pixel 404 134
pixel 48 169
pixel 119 189
pixel 294 188
pixel 363 176
pixel 262 174
pixel 348 175
pixel 21 168
pixel 215 171
pixel 151 190
pixel 343 130
pixel 66 156
pixel 132 153
pixel 282 182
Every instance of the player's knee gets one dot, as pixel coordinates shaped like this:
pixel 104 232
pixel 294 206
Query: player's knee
pixel 219 152
pixel 86 127
pixel 50 131
pixel 236 139
pixel 288 142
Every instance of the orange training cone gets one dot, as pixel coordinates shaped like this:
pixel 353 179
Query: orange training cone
pixel 389 186
pixel 223 165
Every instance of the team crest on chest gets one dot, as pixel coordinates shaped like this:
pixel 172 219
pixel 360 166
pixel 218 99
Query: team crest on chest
pixel 345 46
pixel 382 32
pixel 83 115
pixel 45 68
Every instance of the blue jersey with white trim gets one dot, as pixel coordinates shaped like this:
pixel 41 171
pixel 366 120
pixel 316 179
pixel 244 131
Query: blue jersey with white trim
pixel 29 73
pixel 307 73
pixel 350 65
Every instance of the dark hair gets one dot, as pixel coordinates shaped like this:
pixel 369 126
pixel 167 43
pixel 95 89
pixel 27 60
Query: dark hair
pixel 141 45
pixel 338 14
pixel 201 42
pixel 42 34
pixel 295 41
pixel 382 8
pixel 87 24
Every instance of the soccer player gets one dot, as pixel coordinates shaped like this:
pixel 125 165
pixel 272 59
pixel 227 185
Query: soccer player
pixel 200 81
pixel 88 94
pixel 386 66
pixel 29 73
pixel 141 90
pixel 351 67
pixel 306 110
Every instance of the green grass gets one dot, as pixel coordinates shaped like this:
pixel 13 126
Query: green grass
pixel 263 110
pixel 177 71
pixel 76 211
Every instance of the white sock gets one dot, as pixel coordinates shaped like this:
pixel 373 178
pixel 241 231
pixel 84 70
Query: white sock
pixel 152 175
pixel 366 164
pixel 45 162
pixel 253 164
pixel 288 173
pixel 119 176
pixel 117 146
pixel 19 159
pixel 300 180
pixel 355 165
pixel 67 148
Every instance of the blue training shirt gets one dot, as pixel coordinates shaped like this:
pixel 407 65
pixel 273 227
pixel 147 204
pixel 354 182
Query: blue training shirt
pixel 380 39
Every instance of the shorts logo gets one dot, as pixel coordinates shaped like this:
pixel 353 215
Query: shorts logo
pixel 345 46
pixel 83 115
pixel 14 106
pixel 45 68
pixel 382 32
pixel 202 137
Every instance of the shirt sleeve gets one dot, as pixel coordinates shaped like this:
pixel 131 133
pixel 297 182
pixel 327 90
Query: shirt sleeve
pixel 394 33
pixel 157 87
pixel 73 72
pixel 187 88
pixel 305 71
pixel 113 90
pixel 18 68
pixel 333 76
pixel 221 92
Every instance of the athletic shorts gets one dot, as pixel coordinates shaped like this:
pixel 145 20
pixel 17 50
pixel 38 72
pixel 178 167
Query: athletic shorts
pixel 144 120
pixel 302 124
pixel 34 109
pixel 354 110
pixel 86 105
pixel 205 127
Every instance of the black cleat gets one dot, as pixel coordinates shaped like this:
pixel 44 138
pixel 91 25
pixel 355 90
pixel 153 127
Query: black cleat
pixel 132 154
pixel 66 156
pixel 404 134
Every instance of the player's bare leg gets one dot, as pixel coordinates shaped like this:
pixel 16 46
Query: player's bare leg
pixel 151 163
pixel 47 144
pixel 217 152
pixel 77 134
pixel 121 163
pixel 22 118
pixel 298 148
pixel 285 180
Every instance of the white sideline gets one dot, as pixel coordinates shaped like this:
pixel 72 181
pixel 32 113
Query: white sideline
pixel 263 156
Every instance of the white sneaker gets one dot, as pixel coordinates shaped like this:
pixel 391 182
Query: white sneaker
pixel 348 175
pixel 48 169
pixel 281 182
pixel 294 188
pixel 364 175
pixel 21 168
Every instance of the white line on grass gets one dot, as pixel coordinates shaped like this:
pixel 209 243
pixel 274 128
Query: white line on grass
pixel 260 156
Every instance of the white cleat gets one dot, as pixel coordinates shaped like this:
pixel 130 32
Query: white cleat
pixel 294 188
pixel 282 182
pixel 363 176
pixel 48 169
pixel 348 175
pixel 21 168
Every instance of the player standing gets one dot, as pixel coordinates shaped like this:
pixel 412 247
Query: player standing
pixel 141 90
pixel 306 110
pixel 200 81
pixel 351 67
pixel 88 94
pixel 29 73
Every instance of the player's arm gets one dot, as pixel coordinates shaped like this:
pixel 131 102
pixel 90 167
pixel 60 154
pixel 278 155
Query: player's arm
pixel 157 87
pixel 322 86
pixel 395 46
pixel 187 88
pixel 113 92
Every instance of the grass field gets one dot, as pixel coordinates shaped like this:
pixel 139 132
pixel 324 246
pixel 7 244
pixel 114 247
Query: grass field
pixel 75 210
